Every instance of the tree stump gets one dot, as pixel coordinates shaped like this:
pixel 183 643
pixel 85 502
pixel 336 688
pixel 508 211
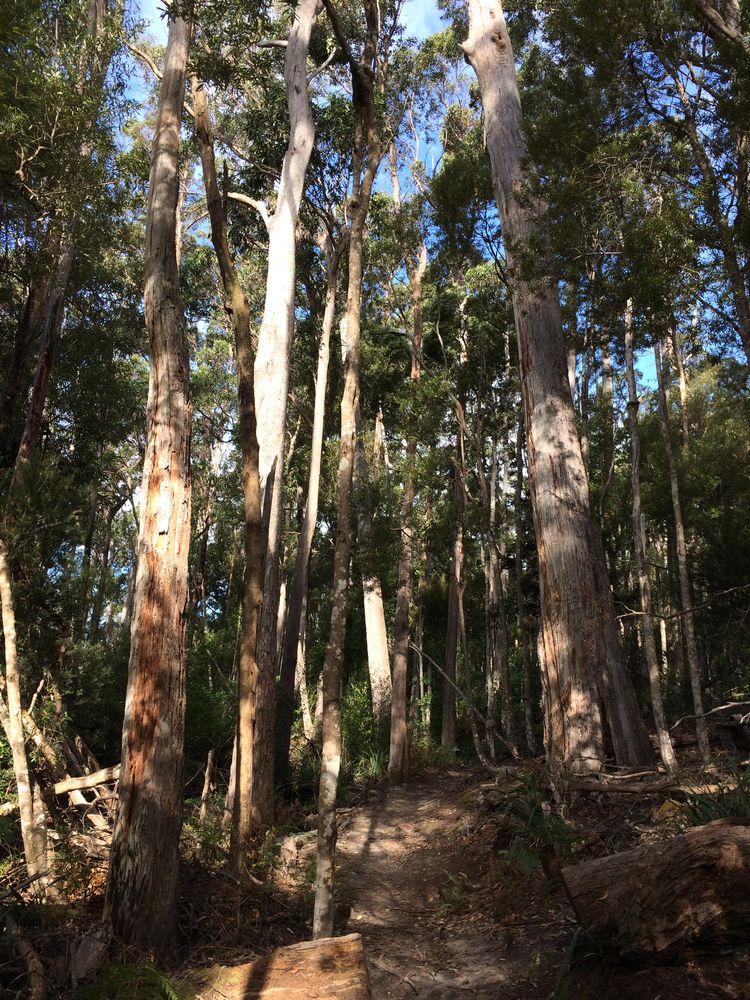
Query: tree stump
pixel 329 969
pixel 650 901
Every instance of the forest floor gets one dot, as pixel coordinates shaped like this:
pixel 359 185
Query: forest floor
pixel 451 879
pixel 444 913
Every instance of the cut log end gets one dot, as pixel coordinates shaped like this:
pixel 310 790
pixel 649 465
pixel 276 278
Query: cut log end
pixel 329 969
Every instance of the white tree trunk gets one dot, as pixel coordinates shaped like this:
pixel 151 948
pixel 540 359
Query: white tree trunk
pixel 272 385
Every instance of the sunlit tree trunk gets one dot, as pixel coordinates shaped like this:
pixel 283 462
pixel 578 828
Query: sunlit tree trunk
pixel 364 133
pixel 376 634
pixel 272 388
pixel 294 629
pixel 243 820
pixel 142 883
pixel 581 654
pixel 33 826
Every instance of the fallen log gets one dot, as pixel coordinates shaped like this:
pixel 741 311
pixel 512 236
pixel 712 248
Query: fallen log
pixel 329 969
pixel 73 785
pixel 652 900
pixel 643 788
pixel 87 780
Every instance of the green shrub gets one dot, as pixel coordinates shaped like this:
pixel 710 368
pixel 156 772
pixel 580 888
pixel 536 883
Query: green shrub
pixel 544 838
pixel 730 802
pixel 133 981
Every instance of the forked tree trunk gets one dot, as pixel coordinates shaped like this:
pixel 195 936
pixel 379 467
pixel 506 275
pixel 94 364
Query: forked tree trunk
pixel 364 132
pixel 686 599
pixel 398 759
pixel 639 544
pixel 293 634
pixel 581 656
pixel 243 820
pixel 143 865
pixel 33 834
pixel 272 387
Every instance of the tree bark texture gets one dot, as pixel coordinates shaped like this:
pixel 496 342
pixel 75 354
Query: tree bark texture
pixel 143 867
pixel 364 133
pixel 580 651
pixel 652 901
pixel 639 544
pixel 243 820
pixel 272 387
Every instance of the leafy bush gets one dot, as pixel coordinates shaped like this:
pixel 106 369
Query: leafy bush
pixel 425 753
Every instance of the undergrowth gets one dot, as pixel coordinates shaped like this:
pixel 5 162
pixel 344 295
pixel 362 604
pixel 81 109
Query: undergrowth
pixel 544 838
pixel 731 801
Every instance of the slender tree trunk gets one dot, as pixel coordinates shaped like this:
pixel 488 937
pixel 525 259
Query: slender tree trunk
pixel 29 325
pixel 208 778
pixel 686 600
pixel 468 693
pixel 243 819
pixel 448 729
pixel 639 544
pixel 104 556
pixel 79 623
pixel 143 866
pixel 498 675
pixel 523 624
pixel 33 834
pixel 300 682
pixel 364 132
pixel 398 761
pixel 682 377
pixel 272 388
pixel 294 631
pixel 581 654
pixel 376 634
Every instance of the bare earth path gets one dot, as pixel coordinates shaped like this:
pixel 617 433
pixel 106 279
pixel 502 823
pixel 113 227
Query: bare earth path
pixel 402 867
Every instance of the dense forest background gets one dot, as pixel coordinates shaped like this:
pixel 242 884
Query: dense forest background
pixel 635 120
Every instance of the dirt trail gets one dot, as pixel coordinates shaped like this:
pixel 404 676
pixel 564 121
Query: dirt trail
pixel 402 869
